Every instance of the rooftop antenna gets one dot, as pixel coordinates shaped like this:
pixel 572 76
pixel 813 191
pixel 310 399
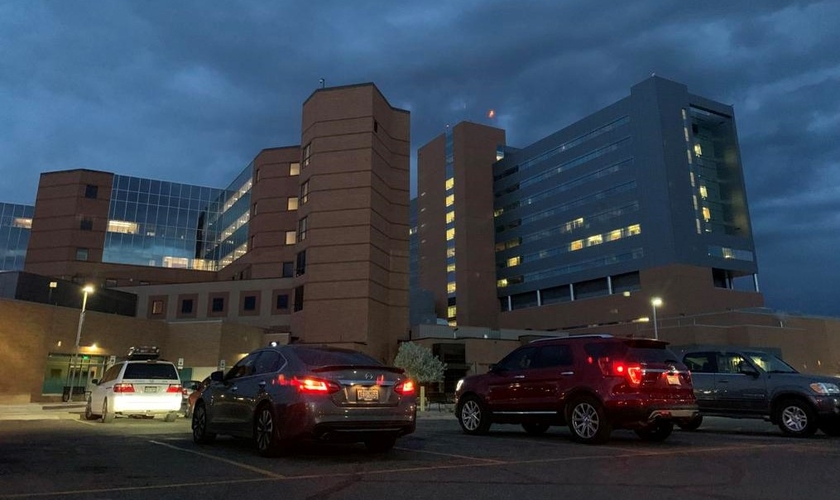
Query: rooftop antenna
pixel 322 82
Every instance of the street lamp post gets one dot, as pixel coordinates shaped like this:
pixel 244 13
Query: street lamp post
pixel 655 302
pixel 88 289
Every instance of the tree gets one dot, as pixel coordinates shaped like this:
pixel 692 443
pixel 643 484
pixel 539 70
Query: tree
pixel 419 363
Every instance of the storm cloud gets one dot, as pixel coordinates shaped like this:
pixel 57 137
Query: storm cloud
pixel 192 91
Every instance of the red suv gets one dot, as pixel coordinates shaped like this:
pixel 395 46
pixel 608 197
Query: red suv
pixel 592 383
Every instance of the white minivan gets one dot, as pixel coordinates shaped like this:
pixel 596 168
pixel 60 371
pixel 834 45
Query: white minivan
pixel 136 387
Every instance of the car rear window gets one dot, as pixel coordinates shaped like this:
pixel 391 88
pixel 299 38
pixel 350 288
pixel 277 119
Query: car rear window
pixel 640 350
pixel 331 357
pixel 155 371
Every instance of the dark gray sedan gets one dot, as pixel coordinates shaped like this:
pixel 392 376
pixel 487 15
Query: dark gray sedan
pixel 283 394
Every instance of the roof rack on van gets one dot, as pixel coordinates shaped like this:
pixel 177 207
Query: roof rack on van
pixel 144 352
pixel 585 336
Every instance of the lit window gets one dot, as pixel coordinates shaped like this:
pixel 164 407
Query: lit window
pixel 450 200
pixel 576 245
pixel 450 268
pixel 502 283
pixel 450 287
pixel 450 217
pixel 450 234
pixel 594 240
pixel 157 307
pixel 294 169
pixel 698 150
pixel 22 222
pixel 634 230
pixel 514 261
pixel 498 212
pixel 292 204
pixel 450 183
pixel 707 215
pixel 124 227
pixel 703 193
pixel 450 252
pixel 512 243
pixel 450 311
pixel 614 235
pixel 691 174
pixel 452 322
pixel 291 237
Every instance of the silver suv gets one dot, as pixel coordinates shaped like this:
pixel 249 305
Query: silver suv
pixel 748 383
pixel 139 386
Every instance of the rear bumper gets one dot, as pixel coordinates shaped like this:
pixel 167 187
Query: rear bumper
pixel 146 405
pixel 639 413
pixel 329 422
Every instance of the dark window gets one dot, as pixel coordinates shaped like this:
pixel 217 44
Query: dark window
pixel 300 265
pixel 81 254
pixel 157 307
pixel 218 304
pixel 591 288
pixel 282 301
pixel 288 269
pixel 250 303
pixel 155 371
pixel 110 282
pixel 91 191
pixel 302 226
pixel 519 359
pixel 307 153
pixel 244 367
pixel 187 306
pixel 375 126
pixel 299 298
pixel 304 192
pixel 330 357
pixel 86 224
pixel 554 355
pixel 700 362
pixel 268 361
pixel 626 282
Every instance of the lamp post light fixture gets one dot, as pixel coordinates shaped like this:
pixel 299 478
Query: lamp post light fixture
pixel 53 286
pixel 88 289
pixel 655 302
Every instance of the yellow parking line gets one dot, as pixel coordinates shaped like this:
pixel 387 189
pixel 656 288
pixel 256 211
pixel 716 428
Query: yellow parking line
pixel 449 455
pixel 136 488
pixel 225 460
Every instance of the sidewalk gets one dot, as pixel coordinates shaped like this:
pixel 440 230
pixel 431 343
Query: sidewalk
pixel 42 411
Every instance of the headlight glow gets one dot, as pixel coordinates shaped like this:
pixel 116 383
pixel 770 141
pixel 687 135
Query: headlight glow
pixel 458 385
pixel 824 388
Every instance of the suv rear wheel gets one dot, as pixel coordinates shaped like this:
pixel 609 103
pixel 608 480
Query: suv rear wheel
pixel 588 422
pixel 267 432
pixel 89 415
pixel 796 418
pixel 473 416
pixel 107 417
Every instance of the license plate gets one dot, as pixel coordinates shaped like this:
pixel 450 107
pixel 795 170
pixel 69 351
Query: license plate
pixel 150 388
pixel 673 379
pixel 367 395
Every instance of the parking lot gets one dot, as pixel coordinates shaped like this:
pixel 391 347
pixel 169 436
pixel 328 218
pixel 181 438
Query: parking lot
pixel 136 458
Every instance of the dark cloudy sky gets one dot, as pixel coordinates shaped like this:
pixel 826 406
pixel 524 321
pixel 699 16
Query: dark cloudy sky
pixel 191 91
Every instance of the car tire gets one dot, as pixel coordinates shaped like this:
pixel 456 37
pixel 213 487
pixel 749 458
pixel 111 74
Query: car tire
pixel 107 416
pixel 656 432
pixel 267 432
pixel 588 422
pixel 89 415
pixel 199 425
pixel 831 427
pixel 473 415
pixel 170 417
pixel 796 418
pixel 535 428
pixel 692 424
pixel 380 444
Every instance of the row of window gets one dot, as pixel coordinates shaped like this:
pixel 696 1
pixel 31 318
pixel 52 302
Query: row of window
pixel 217 305
pixel 621 284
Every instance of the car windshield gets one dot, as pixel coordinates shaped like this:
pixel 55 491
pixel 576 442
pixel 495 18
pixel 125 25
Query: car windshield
pixel 642 351
pixel 157 371
pixel 332 357
pixel 769 363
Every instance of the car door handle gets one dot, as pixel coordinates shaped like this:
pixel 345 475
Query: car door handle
pixel 519 376
pixel 566 374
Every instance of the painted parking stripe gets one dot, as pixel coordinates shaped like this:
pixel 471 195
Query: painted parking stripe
pixel 225 460
pixel 128 489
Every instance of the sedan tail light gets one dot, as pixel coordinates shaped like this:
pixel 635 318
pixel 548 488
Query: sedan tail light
pixel 176 388
pixel 405 388
pixel 123 388
pixel 313 385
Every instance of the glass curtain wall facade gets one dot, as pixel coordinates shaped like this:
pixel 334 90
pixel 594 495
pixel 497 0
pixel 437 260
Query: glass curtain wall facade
pixel 225 227
pixel 159 224
pixel 15 226
pixel 555 201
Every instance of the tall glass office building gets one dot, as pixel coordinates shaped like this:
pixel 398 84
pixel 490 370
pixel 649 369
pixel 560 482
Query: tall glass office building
pixel 15 225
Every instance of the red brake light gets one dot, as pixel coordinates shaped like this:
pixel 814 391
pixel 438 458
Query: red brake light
pixel 176 388
pixel 630 371
pixel 405 388
pixel 312 385
pixel 122 388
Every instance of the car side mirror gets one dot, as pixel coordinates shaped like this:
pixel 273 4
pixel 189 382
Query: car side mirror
pixel 217 376
pixel 95 381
